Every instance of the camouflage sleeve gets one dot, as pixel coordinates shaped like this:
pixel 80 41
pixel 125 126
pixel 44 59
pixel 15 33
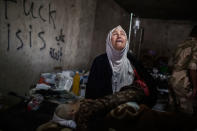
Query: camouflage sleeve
pixel 181 57
pixel 89 108
pixel 193 62
pixel 130 94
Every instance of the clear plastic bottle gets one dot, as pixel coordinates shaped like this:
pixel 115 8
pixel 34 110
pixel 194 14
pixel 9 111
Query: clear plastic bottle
pixel 76 84
pixel 82 88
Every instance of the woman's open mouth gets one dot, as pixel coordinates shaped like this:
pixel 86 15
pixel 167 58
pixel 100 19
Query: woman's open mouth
pixel 119 40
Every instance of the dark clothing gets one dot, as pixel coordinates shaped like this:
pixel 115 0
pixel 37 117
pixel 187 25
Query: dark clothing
pixel 100 78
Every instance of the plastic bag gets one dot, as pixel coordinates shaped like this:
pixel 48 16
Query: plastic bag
pixel 64 80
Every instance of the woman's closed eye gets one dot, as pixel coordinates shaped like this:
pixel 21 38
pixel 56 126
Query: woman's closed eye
pixel 115 34
pixel 121 34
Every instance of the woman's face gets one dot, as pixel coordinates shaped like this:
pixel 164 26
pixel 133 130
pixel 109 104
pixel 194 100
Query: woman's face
pixel 118 39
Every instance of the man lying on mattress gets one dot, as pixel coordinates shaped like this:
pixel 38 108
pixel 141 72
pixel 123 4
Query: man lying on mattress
pixel 87 114
pixel 120 111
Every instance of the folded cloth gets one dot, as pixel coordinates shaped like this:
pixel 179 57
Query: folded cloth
pixel 63 122
pixel 141 83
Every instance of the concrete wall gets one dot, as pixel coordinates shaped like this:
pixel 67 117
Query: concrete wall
pixel 163 36
pixel 38 35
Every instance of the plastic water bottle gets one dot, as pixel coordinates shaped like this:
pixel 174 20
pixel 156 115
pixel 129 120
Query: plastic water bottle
pixel 82 89
pixel 76 83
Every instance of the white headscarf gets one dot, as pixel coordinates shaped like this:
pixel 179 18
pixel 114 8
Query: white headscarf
pixel 123 73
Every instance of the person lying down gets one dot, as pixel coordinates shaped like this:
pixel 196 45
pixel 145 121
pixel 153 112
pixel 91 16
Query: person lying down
pixel 121 111
pixel 87 114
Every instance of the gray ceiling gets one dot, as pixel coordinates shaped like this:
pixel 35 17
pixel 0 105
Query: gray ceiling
pixel 162 9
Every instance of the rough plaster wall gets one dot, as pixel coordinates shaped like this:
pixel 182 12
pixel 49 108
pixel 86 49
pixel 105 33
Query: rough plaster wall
pixel 20 64
pixel 108 15
pixel 86 34
pixel 163 36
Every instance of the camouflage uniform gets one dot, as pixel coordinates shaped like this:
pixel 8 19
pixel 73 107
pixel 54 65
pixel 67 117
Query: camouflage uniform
pixel 89 111
pixel 185 58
